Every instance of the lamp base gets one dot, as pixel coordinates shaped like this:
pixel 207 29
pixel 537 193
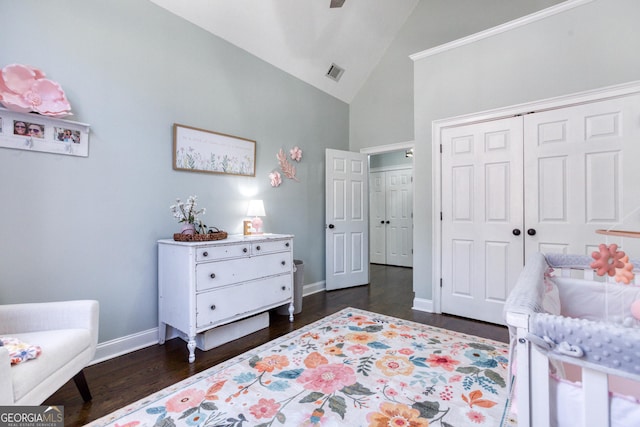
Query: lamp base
pixel 257 225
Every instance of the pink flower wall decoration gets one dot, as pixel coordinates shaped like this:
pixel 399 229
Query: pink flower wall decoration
pixel 295 153
pixel 25 89
pixel 275 178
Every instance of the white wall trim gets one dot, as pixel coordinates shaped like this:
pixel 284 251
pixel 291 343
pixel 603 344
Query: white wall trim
pixel 388 148
pixel 119 346
pixel 313 288
pixel 391 168
pixel 127 344
pixel 508 26
pixel 537 106
pixel 422 304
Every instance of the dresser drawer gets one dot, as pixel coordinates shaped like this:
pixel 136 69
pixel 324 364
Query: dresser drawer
pixel 212 253
pixel 237 301
pixel 215 274
pixel 258 248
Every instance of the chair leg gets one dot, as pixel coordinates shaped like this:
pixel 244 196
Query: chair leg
pixel 83 387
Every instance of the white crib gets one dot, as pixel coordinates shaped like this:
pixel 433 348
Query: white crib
pixel 590 330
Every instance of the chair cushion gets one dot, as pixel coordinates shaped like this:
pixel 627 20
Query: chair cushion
pixel 19 351
pixel 59 347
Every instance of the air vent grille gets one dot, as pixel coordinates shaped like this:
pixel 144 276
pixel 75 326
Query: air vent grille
pixel 335 72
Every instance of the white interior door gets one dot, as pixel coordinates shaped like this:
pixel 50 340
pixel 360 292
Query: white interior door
pixel 399 217
pixel 482 211
pixel 377 217
pixel 347 218
pixel 574 172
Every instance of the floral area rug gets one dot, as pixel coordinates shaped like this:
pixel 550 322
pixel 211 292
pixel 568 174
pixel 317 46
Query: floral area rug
pixel 353 368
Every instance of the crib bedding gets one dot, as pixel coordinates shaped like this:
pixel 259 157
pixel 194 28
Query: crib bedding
pixel 577 321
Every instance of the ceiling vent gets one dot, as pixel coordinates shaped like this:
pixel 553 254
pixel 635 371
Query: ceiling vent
pixel 335 72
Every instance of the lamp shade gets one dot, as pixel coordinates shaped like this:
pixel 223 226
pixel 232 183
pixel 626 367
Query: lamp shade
pixel 256 208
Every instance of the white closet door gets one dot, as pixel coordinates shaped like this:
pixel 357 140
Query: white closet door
pixel 399 197
pixel 377 217
pixel 575 173
pixel 482 205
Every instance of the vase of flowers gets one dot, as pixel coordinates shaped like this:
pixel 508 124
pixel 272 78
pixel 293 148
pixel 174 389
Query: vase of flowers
pixel 187 213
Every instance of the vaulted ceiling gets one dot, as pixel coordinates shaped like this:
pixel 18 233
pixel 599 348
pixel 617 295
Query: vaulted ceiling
pixel 305 37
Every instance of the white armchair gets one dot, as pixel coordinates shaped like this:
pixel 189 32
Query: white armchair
pixel 67 332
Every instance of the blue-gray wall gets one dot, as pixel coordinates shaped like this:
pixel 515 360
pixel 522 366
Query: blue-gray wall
pixel 87 227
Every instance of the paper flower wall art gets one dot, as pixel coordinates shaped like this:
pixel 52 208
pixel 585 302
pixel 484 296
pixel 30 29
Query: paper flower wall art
pixel 287 168
pixel 295 153
pixel 275 178
pixel 25 89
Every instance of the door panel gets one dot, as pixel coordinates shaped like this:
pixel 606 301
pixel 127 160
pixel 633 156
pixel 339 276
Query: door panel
pixel 347 214
pixel 399 209
pixel 482 205
pixel 556 176
pixel 574 172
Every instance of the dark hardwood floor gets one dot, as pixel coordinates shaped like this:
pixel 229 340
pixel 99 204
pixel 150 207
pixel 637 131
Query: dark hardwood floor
pixel 126 379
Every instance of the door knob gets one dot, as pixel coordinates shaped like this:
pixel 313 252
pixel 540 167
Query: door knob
pixel 388 222
pixel 531 232
pixel 332 226
pixel 381 222
pixel 516 231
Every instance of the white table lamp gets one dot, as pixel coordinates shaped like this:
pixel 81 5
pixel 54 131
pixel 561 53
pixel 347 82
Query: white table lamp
pixel 256 210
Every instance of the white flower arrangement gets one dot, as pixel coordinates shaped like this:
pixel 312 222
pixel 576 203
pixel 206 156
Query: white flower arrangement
pixel 188 211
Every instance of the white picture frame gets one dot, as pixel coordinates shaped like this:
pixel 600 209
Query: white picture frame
pixel 43 134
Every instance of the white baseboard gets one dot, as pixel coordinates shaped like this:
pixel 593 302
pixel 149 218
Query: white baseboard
pixel 110 349
pixel 119 346
pixel 313 288
pixel 422 304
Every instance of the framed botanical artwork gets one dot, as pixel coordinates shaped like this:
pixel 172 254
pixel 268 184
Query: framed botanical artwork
pixel 199 150
pixel 35 132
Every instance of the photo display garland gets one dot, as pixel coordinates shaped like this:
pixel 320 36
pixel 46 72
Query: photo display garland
pixel 35 132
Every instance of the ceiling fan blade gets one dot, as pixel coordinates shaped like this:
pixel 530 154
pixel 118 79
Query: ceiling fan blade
pixel 336 3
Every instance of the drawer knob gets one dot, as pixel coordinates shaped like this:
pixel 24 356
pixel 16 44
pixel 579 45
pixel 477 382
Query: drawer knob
pixel 205 253
pixel 283 263
pixel 284 288
pixel 212 275
pixel 244 250
pixel 213 307
pixel 258 247
pixel 286 244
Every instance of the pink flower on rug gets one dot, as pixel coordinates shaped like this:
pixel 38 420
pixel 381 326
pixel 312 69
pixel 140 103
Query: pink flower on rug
pixel 391 365
pixel 334 350
pixel 270 363
pixel 360 320
pixel 327 378
pixel 360 337
pixel 443 361
pixel 476 417
pixel 314 360
pixel 184 400
pixel 358 349
pixel 396 415
pixel 406 351
pixel 265 408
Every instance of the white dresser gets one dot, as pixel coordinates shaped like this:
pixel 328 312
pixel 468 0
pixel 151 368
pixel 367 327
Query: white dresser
pixel 205 285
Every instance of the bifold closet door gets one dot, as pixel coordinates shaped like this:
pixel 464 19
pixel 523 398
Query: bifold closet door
pixel 578 161
pixel 482 211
